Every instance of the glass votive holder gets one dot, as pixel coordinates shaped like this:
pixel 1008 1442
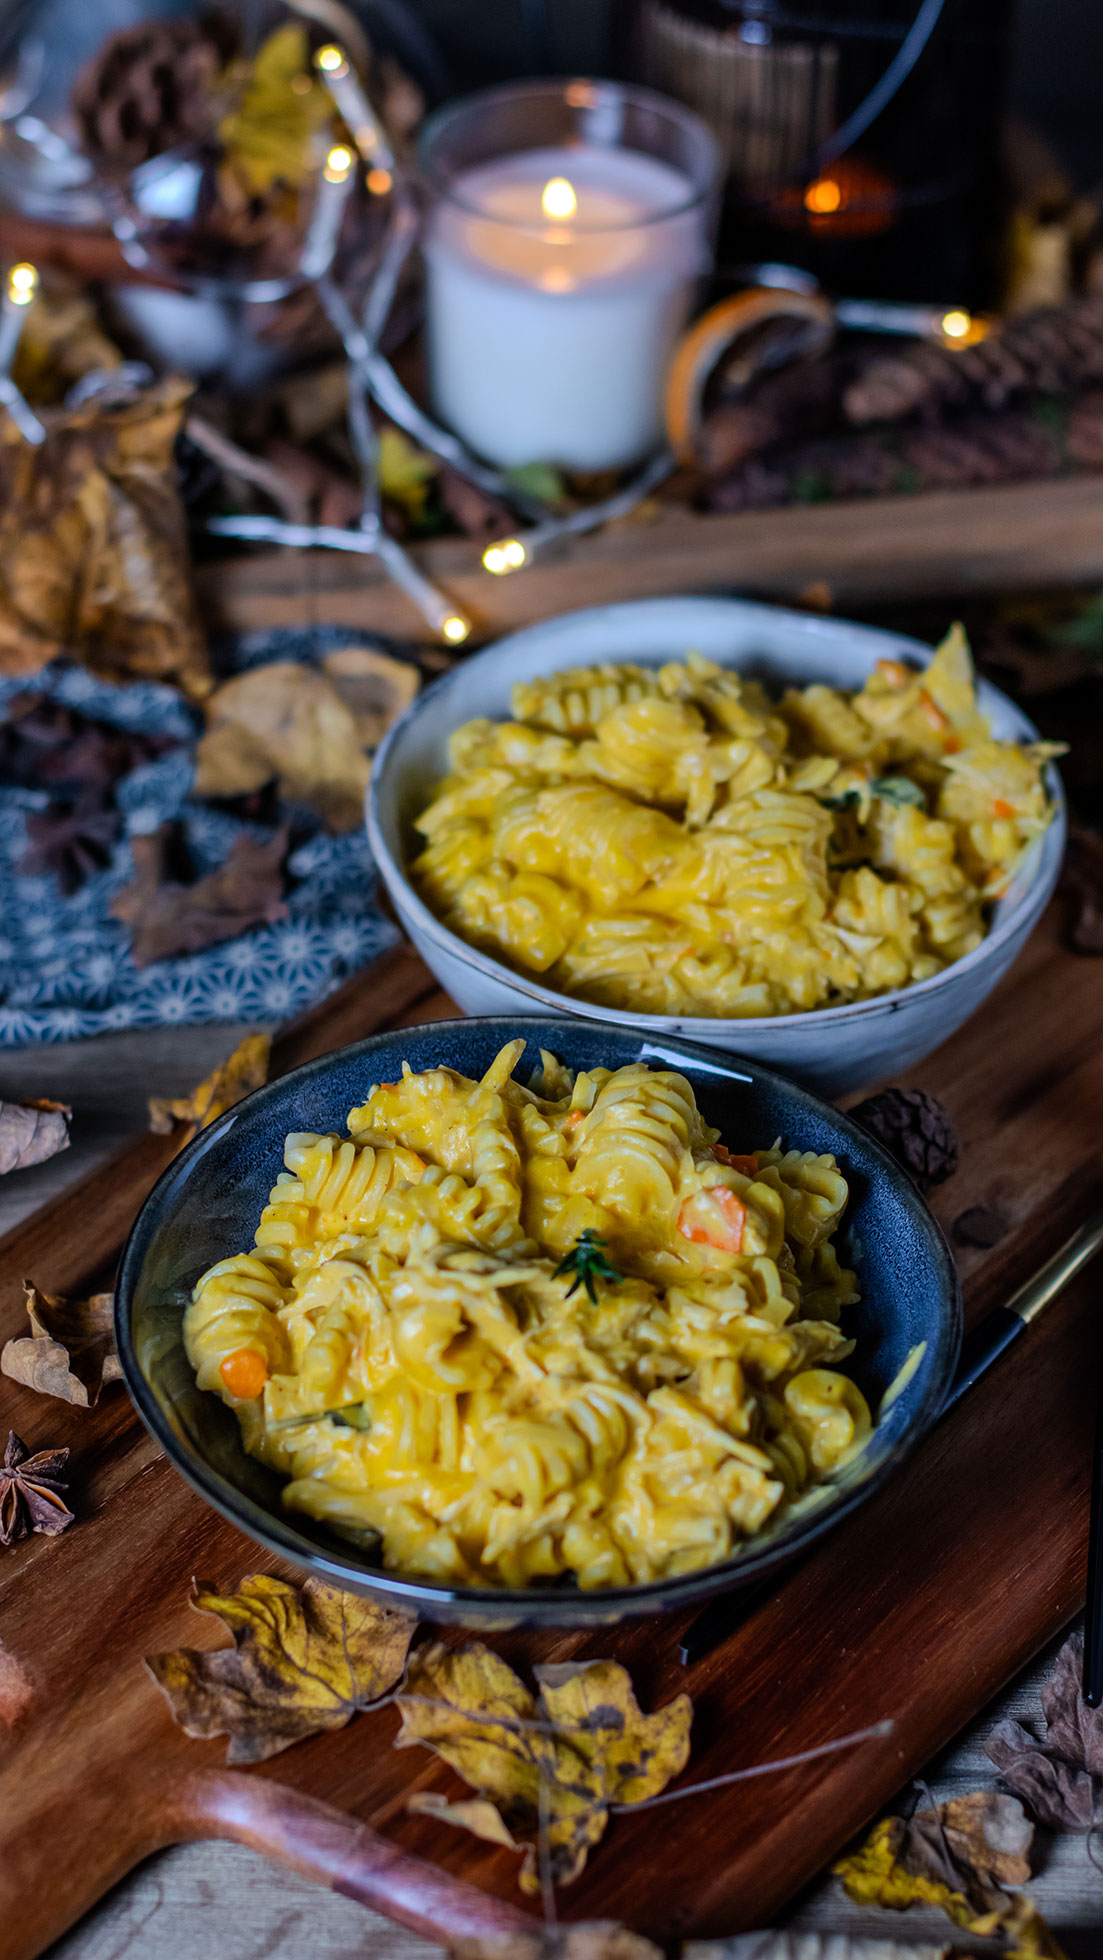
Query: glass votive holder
pixel 569 227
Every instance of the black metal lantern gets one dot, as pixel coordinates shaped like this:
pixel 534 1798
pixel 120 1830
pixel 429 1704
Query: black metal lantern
pixel 860 135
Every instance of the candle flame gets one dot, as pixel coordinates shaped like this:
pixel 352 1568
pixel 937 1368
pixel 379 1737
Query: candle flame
pixel 22 284
pixel 338 164
pixel 558 200
pixel 332 61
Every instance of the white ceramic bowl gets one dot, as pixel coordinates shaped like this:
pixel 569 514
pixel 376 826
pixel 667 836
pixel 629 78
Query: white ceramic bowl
pixel 832 1049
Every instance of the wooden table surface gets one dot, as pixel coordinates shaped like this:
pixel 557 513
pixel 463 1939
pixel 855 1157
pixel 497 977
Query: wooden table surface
pixel 202 1899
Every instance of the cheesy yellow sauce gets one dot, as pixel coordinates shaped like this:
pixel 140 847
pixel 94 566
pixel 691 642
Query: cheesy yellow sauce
pixel 671 840
pixel 402 1345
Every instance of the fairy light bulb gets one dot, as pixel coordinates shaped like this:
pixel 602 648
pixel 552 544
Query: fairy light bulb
pixel 558 199
pixel 507 556
pixel 338 164
pixel 455 628
pixel 956 325
pixel 332 61
pixel 22 284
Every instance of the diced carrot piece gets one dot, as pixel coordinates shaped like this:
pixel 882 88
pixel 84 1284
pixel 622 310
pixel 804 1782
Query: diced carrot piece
pixel 894 671
pixel 714 1217
pixel 1001 808
pixel 571 1122
pixel 953 746
pixel 245 1373
pixel 748 1165
pixel 933 712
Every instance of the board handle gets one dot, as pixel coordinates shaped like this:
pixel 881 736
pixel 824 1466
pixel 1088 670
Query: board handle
pixel 337 1851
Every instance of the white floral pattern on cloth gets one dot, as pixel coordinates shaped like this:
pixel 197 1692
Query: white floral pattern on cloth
pixel 65 964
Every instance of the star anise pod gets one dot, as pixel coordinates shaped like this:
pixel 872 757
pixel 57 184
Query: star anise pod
pixel 915 1129
pixel 30 1492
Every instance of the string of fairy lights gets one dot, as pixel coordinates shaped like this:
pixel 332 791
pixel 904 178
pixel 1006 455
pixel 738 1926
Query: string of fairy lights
pixel 372 379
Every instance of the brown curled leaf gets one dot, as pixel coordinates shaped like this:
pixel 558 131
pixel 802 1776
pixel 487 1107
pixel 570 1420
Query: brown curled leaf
pixel 959 1856
pixel 305 1658
pixel 31 1132
pixel 553 1764
pixel 242 1072
pixel 375 688
pixel 167 917
pixel 1059 1777
pixel 93 544
pixel 70 1352
pixel 285 721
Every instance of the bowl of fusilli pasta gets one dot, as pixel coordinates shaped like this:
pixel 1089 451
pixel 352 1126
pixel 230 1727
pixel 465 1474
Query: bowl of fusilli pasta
pixel 528 1321
pixel 789 837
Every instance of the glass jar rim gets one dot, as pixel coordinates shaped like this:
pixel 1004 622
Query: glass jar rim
pixel 701 172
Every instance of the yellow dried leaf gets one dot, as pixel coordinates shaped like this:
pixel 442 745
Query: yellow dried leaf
pixel 375 688
pixel 71 1349
pixel 474 1814
pixel 956 1858
pixel 405 472
pixel 285 720
pixel 305 1658
pixel 242 1072
pixel 554 1764
pixel 269 138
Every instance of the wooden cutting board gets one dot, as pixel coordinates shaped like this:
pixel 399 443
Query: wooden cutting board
pixel 919 1608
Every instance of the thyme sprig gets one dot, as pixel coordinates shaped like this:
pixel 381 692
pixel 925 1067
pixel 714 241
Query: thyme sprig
pixel 587 1262
pixel 350 1415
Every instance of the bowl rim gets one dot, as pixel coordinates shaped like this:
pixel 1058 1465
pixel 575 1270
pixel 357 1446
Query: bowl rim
pixel 277 1532
pixel 1047 852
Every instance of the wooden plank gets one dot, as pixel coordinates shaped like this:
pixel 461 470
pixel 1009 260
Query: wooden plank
pixel 917 1609
pixel 951 543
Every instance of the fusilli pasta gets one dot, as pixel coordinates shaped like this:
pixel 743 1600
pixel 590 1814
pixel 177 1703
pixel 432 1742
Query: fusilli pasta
pixel 508 1332
pixel 670 840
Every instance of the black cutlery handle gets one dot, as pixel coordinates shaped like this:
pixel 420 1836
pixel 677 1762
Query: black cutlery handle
pixel 980 1348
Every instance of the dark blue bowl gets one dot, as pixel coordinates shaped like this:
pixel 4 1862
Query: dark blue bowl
pixel 209 1200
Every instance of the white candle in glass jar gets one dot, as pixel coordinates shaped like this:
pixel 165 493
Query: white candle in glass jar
pixel 558 281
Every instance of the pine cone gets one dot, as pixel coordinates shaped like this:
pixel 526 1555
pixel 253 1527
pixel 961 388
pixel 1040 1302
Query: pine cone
pixel 915 1129
pixel 1050 351
pixel 150 89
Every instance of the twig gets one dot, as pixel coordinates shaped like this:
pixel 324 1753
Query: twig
pixel 764 1769
pixel 287 498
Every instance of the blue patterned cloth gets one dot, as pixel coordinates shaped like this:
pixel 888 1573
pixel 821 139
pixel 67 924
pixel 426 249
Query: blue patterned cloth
pixel 65 964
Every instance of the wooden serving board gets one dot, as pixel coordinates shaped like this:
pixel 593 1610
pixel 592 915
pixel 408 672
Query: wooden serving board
pixel 919 1608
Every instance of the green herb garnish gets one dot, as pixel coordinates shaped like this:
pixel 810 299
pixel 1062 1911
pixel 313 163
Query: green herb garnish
pixel 350 1415
pixel 899 790
pixel 586 1260
pixel 847 801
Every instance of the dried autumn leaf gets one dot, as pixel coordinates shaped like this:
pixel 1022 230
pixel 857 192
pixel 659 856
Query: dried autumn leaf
pixel 93 545
pixel 475 1814
pixel 30 1492
pixel 1060 1778
pixel 305 1658
pixel 242 1072
pixel 62 341
pixel 404 472
pixel 287 721
pixel 596 1939
pixel 268 138
pixel 955 1857
pixel 554 1764
pixel 167 917
pixel 32 1132
pixel 807 1946
pixel 375 688
pixel 71 1349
